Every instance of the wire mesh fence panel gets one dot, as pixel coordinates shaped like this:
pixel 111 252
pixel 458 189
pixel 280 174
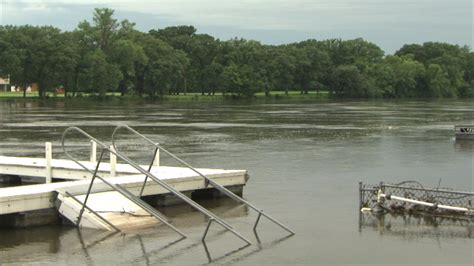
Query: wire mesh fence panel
pixel 369 195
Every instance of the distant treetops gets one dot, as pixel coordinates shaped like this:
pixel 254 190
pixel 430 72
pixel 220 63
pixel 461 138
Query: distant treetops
pixel 111 56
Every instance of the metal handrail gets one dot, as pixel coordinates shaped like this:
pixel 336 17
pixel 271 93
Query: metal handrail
pixel 210 215
pixel 116 187
pixel 207 179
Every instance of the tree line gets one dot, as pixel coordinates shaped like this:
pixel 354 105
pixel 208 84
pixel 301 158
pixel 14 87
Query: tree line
pixel 107 55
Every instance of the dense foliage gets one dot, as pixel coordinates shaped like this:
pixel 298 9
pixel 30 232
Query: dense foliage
pixel 106 55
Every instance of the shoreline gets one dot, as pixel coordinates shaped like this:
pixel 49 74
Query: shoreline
pixel 276 96
pixel 189 97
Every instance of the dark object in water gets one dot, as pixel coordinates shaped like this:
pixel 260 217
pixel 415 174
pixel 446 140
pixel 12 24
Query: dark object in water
pixel 464 131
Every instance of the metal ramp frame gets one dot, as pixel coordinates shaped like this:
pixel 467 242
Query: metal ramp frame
pixel 127 194
pixel 208 181
pixel 212 217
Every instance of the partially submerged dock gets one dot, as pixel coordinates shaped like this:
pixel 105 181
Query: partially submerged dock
pixel 110 195
pixel 34 201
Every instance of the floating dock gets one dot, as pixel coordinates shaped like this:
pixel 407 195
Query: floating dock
pixel 33 201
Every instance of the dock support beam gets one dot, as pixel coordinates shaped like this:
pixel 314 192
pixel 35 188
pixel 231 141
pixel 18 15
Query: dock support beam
pixel 49 158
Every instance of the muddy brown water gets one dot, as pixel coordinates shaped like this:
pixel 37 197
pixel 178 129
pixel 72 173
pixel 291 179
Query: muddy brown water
pixel 304 159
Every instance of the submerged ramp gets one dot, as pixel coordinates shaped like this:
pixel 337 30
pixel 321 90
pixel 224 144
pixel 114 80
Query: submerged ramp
pixel 111 206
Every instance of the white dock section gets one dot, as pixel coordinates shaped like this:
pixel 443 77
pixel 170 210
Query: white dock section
pixel 43 196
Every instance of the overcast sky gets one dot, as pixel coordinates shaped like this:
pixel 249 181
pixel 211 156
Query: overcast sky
pixel 388 23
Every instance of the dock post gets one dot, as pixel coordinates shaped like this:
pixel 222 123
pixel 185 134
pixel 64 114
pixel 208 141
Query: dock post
pixel 156 161
pixel 360 195
pixel 93 157
pixel 113 162
pixel 48 157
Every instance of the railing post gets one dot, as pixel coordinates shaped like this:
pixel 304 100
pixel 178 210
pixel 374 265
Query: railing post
pixel 93 157
pixel 360 195
pixel 49 158
pixel 156 161
pixel 113 162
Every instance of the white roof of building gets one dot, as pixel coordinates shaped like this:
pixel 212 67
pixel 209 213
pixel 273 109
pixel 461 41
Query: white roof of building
pixel 4 81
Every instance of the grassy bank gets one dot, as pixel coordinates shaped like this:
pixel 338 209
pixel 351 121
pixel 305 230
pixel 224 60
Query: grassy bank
pixel 296 95
pixel 8 94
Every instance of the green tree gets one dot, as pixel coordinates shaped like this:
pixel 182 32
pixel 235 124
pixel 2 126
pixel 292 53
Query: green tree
pixel 22 37
pixel 212 74
pixel 399 76
pixel 245 62
pixel 356 52
pixel 127 54
pixel 239 80
pixel 349 82
pixel 10 56
pixel 181 38
pixel 311 66
pixel 99 75
pixel 82 42
pixel 105 27
pixel 437 82
pixel 38 50
pixel 163 70
pixel 284 62
pixel 65 60
pixel 201 50
pixel 451 58
pixel 468 89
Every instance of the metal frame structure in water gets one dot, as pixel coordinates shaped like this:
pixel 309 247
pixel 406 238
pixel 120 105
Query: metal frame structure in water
pixel 133 198
pixel 208 181
pixel 434 201
pixel 464 132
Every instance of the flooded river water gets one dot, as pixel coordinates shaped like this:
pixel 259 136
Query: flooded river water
pixel 305 161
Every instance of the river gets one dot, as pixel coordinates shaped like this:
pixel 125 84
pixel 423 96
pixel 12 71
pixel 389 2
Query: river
pixel 305 161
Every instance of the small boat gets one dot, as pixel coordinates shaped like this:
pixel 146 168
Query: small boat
pixel 464 131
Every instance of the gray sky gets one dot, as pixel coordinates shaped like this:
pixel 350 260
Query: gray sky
pixel 388 23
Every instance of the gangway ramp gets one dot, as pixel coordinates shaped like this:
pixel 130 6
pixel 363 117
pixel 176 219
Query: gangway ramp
pixel 104 210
